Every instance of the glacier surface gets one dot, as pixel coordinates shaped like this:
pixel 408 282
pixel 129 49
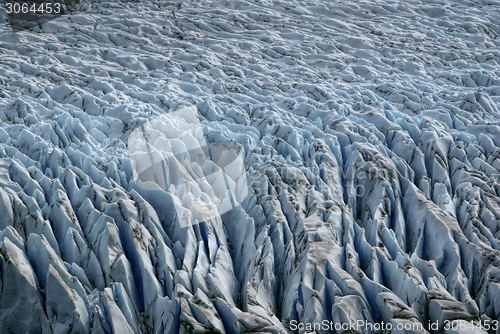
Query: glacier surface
pixel 371 139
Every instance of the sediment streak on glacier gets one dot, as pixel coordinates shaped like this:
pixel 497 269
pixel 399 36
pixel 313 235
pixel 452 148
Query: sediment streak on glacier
pixel 371 133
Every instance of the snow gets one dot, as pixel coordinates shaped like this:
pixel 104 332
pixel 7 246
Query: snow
pixel 233 166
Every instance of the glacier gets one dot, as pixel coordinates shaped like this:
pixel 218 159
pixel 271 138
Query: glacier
pixel 371 140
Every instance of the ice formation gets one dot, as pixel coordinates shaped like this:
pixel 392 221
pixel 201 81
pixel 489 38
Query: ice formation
pixel 370 133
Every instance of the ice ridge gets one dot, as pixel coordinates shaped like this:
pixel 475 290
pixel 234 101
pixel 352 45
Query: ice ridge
pixel 371 140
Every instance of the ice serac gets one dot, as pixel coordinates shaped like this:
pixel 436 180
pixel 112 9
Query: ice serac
pixel 65 309
pixel 370 137
pixel 21 302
